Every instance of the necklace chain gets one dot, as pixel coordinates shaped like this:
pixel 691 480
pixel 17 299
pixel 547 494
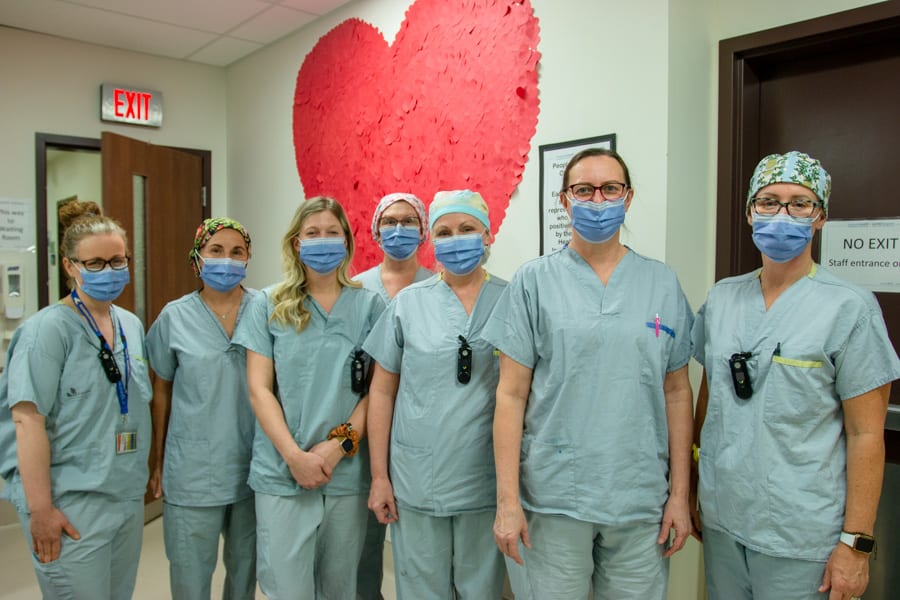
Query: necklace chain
pixel 224 315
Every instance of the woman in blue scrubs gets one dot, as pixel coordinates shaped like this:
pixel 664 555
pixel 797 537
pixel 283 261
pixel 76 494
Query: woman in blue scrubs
pixel 76 392
pixel 202 421
pixel 307 376
pixel 798 368
pixel 399 227
pixel 432 402
pixel 592 432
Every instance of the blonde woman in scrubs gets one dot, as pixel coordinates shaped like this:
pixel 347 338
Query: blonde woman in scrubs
pixel 202 421
pixel 432 400
pixel 307 374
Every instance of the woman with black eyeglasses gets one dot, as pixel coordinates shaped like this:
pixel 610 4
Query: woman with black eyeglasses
pixel 431 405
pixel 798 368
pixel 592 432
pixel 76 391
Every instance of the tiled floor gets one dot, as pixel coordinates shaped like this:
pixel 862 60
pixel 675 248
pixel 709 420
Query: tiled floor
pixel 18 580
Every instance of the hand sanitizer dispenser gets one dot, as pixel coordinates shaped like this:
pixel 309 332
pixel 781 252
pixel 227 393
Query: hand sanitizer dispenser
pixel 13 300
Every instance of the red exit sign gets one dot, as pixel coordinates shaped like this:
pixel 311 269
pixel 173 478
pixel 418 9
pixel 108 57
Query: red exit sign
pixel 125 104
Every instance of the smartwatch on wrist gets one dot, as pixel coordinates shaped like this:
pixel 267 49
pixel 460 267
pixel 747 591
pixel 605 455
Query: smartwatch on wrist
pixel 346 445
pixel 860 542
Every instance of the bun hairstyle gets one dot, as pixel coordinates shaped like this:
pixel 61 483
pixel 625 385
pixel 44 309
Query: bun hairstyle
pixel 84 226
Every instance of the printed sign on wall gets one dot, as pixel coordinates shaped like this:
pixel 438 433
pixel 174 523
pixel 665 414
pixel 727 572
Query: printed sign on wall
pixel 866 252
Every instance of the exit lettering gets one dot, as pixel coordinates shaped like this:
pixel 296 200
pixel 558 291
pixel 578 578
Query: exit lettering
pixel 132 105
pixel 877 243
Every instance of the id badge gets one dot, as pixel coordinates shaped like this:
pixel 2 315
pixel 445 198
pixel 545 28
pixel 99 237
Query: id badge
pixel 126 439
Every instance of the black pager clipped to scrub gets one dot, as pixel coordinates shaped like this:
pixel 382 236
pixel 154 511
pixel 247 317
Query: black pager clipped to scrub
pixel 740 374
pixel 358 372
pixel 464 361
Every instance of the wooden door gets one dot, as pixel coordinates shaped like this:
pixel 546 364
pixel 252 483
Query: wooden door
pixel 165 187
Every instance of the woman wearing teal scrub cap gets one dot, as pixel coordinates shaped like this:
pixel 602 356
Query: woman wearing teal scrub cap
pixel 790 417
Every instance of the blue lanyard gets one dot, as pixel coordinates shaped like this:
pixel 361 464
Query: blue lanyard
pixel 121 388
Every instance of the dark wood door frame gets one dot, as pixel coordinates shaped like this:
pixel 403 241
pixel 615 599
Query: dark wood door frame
pixel 742 60
pixel 43 141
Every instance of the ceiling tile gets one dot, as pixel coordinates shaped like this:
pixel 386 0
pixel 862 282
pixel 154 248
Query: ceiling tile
pixel 216 16
pixel 224 51
pixel 272 25
pixel 104 28
pixel 316 7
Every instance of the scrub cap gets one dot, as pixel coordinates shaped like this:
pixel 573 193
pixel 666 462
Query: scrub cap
pixel 458 201
pixel 793 167
pixel 392 199
pixel 207 229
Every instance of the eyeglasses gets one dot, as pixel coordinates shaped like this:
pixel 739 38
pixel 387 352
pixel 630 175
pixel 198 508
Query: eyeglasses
pixel 392 222
pixel 117 263
pixel 798 207
pixel 611 190
pixel 464 361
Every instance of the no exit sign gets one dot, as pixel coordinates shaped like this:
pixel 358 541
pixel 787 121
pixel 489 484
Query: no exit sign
pixel 125 104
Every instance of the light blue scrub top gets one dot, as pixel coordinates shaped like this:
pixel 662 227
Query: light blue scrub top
pixel 52 362
pixel 312 382
pixel 210 435
pixel 371 280
pixel 595 441
pixel 773 467
pixel 442 453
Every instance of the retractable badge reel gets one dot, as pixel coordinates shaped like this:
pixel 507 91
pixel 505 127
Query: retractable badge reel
pixel 740 374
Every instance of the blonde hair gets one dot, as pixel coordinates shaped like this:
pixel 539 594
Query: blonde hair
pixel 290 294
pixel 84 227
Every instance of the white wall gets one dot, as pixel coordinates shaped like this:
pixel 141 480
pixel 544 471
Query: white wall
pixel 51 85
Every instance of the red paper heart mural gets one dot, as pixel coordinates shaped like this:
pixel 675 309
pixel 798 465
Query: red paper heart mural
pixel 451 104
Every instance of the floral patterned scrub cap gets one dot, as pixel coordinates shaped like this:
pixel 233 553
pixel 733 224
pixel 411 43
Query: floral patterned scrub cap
pixel 793 167
pixel 207 229
pixel 398 197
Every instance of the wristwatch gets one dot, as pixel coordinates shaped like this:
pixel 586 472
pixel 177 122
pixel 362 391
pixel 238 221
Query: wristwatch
pixel 346 444
pixel 859 541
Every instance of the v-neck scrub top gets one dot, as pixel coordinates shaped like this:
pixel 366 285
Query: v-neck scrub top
pixel 371 280
pixel 442 459
pixel 53 363
pixel 773 466
pixel 595 437
pixel 210 431
pixel 312 383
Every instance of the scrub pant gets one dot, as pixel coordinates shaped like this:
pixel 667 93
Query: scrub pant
pixel 435 557
pixel 103 563
pixel 308 546
pixel 569 559
pixel 191 535
pixel 371 565
pixel 735 572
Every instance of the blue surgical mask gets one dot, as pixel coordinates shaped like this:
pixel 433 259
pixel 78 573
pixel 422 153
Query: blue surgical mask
pixel 400 242
pixel 105 285
pixel 223 274
pixel 460 254
pixel 781 237
pixel 323 255
pixel 597 222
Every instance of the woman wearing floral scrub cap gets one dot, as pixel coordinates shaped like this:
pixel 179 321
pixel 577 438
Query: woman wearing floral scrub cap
pixel 202 421
pixel 791 412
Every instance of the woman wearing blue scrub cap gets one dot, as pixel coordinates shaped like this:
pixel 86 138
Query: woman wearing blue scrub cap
pixel 307 375
pixel 202 421
pixel 790 415
pixel 592 431
pixel 432 402
pixel 75 424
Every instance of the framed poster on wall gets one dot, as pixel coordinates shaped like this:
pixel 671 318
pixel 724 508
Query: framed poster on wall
pixel 555 232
